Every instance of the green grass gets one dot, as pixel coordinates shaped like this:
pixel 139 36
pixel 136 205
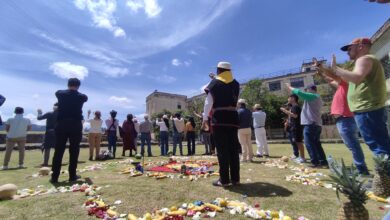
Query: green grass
pixel 142 194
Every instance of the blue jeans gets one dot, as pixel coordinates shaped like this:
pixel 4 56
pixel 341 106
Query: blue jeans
pixel 112 141
pixel 312 135
pixel 177 139
pixel 373 128
pixel 164 142
pixel 349 133
pixel 145 137
pixel 293 144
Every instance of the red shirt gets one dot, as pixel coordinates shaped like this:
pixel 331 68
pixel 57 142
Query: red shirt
pixel 340 103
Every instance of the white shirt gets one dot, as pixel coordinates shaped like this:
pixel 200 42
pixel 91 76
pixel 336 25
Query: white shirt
pixel 18 126
pixel 259 118
pixel 162 125
pixel 208 105
pixel 96 125
pixel 136 126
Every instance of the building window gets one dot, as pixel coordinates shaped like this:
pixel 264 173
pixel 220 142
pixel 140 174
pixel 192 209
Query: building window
pixel 274 86
pixel 386 66
pixel 178 106
pixel 297 82
pixel 307 69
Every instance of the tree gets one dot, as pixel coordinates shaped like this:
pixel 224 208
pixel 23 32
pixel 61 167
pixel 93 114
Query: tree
pixel 254 92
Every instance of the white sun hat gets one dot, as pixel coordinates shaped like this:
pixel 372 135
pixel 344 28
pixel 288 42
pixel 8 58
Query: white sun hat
pixel 224 65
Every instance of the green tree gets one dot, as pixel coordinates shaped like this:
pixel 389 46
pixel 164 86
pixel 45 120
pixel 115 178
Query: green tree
pixel 254 92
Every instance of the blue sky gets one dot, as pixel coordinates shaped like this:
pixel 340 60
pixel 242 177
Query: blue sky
pixel 125 49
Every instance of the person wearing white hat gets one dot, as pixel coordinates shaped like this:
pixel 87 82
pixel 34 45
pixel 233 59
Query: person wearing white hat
pixel 259 118
pixel 220 104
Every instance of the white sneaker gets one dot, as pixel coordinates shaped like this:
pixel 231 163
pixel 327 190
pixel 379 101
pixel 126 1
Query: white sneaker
pixel 300 160
pixel 21 166
pixel 4 168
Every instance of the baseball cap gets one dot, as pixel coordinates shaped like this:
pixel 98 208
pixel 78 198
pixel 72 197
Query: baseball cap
pixel 360 40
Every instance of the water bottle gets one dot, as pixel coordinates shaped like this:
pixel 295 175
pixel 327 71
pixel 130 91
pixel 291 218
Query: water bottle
pixel 330 162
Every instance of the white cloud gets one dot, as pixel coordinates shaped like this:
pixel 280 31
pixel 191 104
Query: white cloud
pixel 35 96
pixel 123 102
pixel 163 78
pixel 84 48
pixel 33 119
pixel 193 52
pixel 102 14
pixel 187 62
pixel 114 72
pixel 176 62
pixel 66 70
pixel 151 7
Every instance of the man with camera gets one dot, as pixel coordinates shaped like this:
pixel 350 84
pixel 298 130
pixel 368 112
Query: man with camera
pixel 69 127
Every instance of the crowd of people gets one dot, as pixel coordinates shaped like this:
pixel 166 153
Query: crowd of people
pixel 227 124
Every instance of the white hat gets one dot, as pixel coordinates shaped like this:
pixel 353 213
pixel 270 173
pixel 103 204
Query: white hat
pixel 224 65
pixel 165 116
pixel 242 101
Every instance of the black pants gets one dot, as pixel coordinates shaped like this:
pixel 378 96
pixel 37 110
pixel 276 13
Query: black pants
pixel 67 129
pixel 226 141
pixel 191 142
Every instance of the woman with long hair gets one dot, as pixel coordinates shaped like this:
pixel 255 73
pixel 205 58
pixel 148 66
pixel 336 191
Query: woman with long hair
pixel 95 134
pixel 112 125
pixel 129 135
pixel 190 134
pixel 164 134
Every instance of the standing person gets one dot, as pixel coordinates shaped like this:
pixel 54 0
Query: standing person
pixel 2 100
pixel 220 103
pixel 245 132
pixel 95 134
pixel 69 127
pixel 178 130
pixel 112 125
pixel 16 129
pixel 190 134
pixel 129 134
pixel 312 123
pixel 146 128
pixel 366 94
pixel 287 130
pixel 207 136
pixel 136 126
pixel 345 121
pixel 50 135
pixel 295 127
pixel 259 118
pixel 164 134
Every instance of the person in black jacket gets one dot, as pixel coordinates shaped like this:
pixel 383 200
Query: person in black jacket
pixel 50 136
pixel 69 127
pixel 2 100
pixel 221 101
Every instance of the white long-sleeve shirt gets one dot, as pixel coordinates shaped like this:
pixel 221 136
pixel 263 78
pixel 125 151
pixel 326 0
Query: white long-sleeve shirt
pixel 208 105
pixel 162 125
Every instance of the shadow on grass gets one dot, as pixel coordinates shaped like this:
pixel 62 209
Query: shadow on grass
pixel 14 168
pixel 68 183
pixel 260 189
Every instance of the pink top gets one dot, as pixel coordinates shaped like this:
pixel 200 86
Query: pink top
pixel 340 103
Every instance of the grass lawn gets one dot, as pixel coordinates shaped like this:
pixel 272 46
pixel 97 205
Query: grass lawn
pixel 261 185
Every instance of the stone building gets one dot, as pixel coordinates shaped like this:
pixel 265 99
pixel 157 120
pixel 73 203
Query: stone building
pixel 158 101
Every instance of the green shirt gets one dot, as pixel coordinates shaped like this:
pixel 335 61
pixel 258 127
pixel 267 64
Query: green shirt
pixel 370 94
